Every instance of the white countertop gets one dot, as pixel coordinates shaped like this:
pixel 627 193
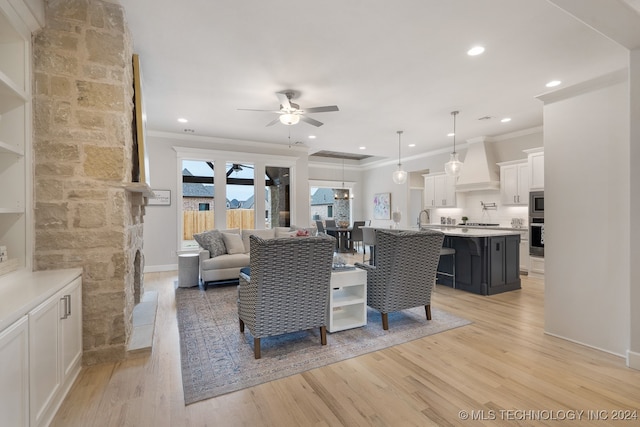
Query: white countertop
pixel 476 231
pixel 21 291
pixel 460 231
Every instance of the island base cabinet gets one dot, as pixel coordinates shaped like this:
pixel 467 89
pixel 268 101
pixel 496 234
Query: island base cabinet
pixel 485 265
pixel 55 349
pixel 14 374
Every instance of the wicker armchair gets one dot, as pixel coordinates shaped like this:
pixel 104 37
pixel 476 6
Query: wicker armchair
pixel 405 271
pixel 288 287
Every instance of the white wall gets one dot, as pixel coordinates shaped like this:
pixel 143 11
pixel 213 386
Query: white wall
pixel 587 261
pixel 161 222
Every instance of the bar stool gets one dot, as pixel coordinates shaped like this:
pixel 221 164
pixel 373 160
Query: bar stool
pixel 452 252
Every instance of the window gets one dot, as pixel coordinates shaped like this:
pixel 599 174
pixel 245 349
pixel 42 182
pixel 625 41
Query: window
pixel 240 196
pixel 197 198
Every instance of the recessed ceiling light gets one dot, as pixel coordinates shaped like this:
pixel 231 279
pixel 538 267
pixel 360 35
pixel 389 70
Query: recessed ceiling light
pixel 476 50
pixel 182 120
pixel 363 147
pixel 412 145
pixel 312 137
pixel 450 134
pixel 506 119
pixel 553 83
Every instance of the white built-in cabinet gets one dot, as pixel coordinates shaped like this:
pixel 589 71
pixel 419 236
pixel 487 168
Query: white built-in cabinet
pixel 15 135
pixel 14 373
pixel 514 183
pixel 439 191
pixel 536 168
pixel 40 343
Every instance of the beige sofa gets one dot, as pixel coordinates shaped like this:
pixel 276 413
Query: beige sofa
pixel 227 265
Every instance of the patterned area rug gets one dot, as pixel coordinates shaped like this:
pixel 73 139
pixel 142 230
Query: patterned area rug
pixel 217 358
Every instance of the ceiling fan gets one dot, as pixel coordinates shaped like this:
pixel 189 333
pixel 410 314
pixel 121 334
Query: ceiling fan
pixel 290 113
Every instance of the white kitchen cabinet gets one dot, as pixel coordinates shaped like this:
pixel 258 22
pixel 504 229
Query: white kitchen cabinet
pixel 514 183
pixel 439 191
pixel 536 168
pixel 524 250
pixel 536 267
pixel 14 373
pixel 55 349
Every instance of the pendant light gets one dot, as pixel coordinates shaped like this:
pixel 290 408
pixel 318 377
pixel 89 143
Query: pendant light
pixel 399 176
pixel 343 193
pixel 454 165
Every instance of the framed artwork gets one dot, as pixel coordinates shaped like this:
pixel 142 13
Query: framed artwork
pixel 160 198
pixel 382 206
pixel 140 155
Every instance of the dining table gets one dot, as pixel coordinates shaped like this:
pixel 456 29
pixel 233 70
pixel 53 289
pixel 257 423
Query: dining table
pixel 343 242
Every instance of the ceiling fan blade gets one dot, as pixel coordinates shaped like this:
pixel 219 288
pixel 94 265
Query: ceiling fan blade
pixel 284 100
pixel 324 109
pixel 252 109
pixel 310 121
pixel 273 122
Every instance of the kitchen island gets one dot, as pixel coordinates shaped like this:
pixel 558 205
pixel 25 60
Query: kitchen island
pixel 487 261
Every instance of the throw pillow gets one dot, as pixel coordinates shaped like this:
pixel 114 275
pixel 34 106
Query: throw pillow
pixel 233 242
pixel 211 241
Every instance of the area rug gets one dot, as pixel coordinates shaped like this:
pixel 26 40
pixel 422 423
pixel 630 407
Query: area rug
pixel 217 358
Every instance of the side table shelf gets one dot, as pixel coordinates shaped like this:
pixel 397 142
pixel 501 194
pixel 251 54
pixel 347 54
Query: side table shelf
pixel 347 300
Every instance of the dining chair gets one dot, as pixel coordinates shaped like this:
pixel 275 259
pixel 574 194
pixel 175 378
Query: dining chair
pixel 319 226
pixel 369 239
pixel 330 222
pixel 356 234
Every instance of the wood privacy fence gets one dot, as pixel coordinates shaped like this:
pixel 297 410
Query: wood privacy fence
pixel 199 221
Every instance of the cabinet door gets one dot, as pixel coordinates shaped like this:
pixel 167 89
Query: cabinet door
pixel 71 327
pixel 44 358
pixel 450 191
pixel 512 259
pixel 429 193
pixel 524 251
pixel 496 261
pixel 14 374
pixel 523 184
pixel 536 172
pixel 509 184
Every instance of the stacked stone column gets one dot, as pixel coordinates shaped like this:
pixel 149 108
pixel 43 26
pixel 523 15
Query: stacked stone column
pixel 82 157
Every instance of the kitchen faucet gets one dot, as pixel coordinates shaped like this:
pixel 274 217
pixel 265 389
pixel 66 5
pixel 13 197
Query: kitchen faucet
pixel 427 215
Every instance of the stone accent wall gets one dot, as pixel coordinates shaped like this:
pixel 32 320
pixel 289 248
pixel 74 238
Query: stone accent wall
pixel 82 157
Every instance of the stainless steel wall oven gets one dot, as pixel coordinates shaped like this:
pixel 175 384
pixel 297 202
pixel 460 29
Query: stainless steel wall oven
pixel 536 223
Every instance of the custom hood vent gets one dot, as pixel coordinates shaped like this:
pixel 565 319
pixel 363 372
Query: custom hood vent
pixel 479 170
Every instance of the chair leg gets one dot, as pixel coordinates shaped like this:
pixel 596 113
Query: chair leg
pixel 427 309
pixel 241 325
pixel 256 347
pixel 385 321
pixel 323 335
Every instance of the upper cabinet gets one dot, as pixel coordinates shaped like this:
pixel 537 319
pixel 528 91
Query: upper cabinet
pixel 536 168
pixel 439 191
pixel 16 23
pixel 514 182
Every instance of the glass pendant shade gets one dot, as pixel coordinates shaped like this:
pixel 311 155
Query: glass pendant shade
pixel 399 176
pixel 289 119
pixel 453 166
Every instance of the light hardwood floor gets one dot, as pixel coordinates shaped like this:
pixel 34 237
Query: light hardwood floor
pixel 502 370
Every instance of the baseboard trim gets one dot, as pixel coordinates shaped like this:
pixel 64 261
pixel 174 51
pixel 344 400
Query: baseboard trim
pixel 584 344
pixel 633 359
pixel 160 268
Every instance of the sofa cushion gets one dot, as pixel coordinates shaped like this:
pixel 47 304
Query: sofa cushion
pixel 268 233
pixel 212 241
pixel 226 261
pixel 233 243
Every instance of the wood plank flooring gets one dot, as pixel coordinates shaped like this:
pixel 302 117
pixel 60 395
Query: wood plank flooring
pixel 502 370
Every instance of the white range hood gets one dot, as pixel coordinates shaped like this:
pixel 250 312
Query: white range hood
pixel 479 170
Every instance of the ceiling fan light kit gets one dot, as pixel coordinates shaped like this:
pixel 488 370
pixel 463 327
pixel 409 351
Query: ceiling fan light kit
pixel 399 176
pixel 291 113
pixel 454 165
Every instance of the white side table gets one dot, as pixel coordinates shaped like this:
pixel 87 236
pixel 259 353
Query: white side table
pixel 188 270
pixel 347 300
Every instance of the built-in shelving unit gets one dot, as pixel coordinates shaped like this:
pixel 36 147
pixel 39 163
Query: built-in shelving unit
pixel 15 134
pixel 347 300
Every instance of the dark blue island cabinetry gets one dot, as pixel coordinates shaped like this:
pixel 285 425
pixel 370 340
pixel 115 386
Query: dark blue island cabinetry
pixel 485 265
